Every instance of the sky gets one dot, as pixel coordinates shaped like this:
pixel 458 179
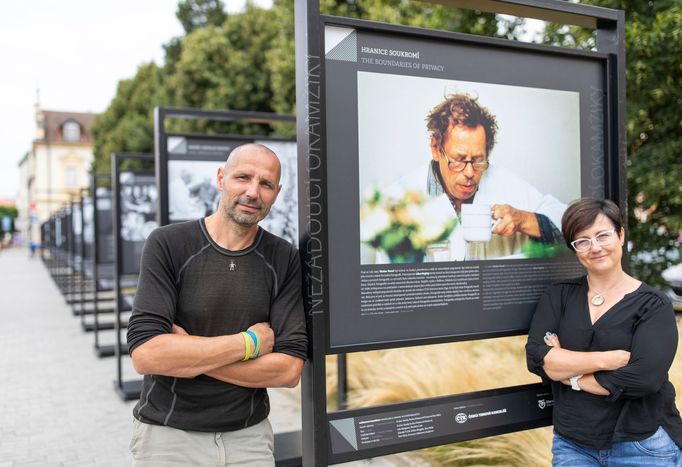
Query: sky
pixel 74 52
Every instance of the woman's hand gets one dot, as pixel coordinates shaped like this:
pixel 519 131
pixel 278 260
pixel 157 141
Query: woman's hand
pixel 552 340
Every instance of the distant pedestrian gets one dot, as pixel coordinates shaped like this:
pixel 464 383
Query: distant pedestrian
pixel 32 246
pixel 217 318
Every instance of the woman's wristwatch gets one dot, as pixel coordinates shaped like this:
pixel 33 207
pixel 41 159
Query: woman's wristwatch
pixel 574 382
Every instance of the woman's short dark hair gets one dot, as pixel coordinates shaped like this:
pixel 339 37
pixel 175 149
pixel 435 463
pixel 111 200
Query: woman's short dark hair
pixel 582 213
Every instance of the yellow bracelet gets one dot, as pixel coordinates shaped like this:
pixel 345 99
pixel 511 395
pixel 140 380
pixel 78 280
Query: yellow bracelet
pixel 247 343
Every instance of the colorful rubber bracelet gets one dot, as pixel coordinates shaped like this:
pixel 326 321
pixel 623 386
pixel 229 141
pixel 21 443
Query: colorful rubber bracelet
pixel 256 343
pixel 247 343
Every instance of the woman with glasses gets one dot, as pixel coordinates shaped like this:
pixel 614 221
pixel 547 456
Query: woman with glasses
pixel 605 342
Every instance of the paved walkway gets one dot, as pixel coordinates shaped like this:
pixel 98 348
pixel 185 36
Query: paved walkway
pixel 57 402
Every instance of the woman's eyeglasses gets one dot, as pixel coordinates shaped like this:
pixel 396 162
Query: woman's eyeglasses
pixel 584 244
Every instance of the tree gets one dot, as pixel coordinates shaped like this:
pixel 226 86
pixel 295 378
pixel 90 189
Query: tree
pixel 192 14
pixel 281 56
pixel 653 33
pixel 127 125
pixel 226 68
pixel 197 14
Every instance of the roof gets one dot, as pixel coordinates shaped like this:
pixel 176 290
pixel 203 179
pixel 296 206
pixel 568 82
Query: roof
pixel 54 120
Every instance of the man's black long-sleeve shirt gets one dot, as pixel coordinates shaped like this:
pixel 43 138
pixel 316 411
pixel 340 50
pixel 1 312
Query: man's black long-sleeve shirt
pixel 188 279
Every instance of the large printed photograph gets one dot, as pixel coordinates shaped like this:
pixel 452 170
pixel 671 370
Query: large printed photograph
pixel 193 192
pixel 454 170
pixel 138 196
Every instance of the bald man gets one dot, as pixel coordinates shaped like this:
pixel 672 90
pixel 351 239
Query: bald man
pixel 217 318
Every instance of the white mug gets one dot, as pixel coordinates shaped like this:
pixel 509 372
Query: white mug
pixel 477 222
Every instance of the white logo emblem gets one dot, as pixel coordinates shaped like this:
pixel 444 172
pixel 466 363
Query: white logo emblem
pixel 461 417
pixel 542 403
pixel 233 265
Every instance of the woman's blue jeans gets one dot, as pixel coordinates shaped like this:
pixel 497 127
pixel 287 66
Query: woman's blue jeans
pixel 657 450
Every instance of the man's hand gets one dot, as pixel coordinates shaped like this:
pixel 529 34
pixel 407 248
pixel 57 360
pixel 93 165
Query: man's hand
pixel 265 334
pixel 175 329
pixel 512 220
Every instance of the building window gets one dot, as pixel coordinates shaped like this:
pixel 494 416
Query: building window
pixel 71 177
pixel 71 132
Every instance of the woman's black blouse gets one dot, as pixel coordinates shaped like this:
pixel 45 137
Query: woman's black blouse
pixel 641 397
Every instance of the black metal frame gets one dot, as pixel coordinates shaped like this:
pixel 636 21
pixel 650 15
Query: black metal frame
pixel 311 137
pixel 87 294
pixel 76 289
pixel 130 389
pixel 66 271
pixel 161 148
pixel 101 294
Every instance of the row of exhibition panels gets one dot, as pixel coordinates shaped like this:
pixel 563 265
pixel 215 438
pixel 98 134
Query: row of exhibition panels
pixel 344 120
pixel 92 245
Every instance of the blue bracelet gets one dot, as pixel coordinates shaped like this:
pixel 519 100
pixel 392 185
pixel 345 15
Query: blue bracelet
pixel 256 343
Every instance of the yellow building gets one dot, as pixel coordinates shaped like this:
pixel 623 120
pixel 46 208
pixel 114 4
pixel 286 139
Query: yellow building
pixel 56 168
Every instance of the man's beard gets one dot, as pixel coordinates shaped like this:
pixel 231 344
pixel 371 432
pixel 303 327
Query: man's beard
pixel 241 218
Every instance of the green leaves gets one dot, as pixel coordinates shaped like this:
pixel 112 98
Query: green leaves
pixel 653 33
pixel 127 124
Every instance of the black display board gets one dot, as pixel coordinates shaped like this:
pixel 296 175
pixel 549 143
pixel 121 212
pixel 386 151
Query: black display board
pixel 76 286
pixel 389 263
pixel 187 166
pixel 401 259
pixel 104 231
pixel 77 229
pixel 64 249
pixel 85 252
pixel 68 235
pixel 137 194
pixel 88 211
pixel 134 203
pixel 102 261
pixel 45 240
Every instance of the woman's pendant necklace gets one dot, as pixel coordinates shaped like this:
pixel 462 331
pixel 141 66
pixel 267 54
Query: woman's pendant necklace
pixel 598 299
